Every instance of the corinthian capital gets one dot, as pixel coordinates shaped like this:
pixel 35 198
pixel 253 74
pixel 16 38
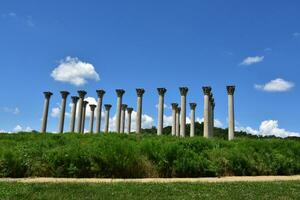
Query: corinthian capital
pixel 206 90
pixel 193 106
pixel 92 107
pixel 129 110
pixel 183 91
pixel 174 105
pixel 230 89
pixel 48 95
pixel 120 92
pixel 107 107
pixel 74 99
pixel 124 107
pixel 81 93
pixel 161 91
pixel 100 93
pixel 64 94
pixel 140 92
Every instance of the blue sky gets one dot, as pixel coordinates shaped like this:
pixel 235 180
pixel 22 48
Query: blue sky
pixel 254 45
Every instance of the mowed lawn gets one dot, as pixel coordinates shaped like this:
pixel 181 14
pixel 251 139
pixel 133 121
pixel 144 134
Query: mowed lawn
pixel 132 191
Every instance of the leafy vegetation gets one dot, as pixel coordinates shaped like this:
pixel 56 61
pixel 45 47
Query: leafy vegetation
pixel 133 156
pixel 189 191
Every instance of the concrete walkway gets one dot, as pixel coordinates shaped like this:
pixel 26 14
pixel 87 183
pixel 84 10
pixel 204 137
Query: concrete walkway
pixel 154 180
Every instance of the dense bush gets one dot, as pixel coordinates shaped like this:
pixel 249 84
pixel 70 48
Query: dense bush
pixel 133 156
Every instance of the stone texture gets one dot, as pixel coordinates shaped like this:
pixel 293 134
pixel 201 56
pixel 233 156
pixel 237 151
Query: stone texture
pixel 107 111
pixel 174 109
pixel 100 94
pixel 123 111
pixel 73 113
pixel 206 92
pixel 160 119
pixel 81 94
pixel 120 93
pixel 183 93
pixel 230 92
pixel 64 95
pixel 192 116
pixel 129 112
pixel 92 107
pixel 47 96
pixel 140 92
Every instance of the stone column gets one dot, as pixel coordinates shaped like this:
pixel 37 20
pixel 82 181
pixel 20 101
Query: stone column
pixel 73 113
pixel 46 109
pixel 123 111
pixel 230 92
pixel 183 93
pixel 174 109
pixel 178 121
pixel 139 92
pixel 160 119
pixel 212 117
pixel 192 128
pixel 64 95
pixel 92 107
pixel 120 94
pixel 85 103
pixel 206 91
pixel 107 109
pixel 129 111
pixel 81 94
pixel 100 94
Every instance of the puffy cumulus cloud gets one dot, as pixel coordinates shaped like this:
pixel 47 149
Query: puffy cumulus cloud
pixel 19 128
pixel 252 60
pixel 74 71
pixel 55 112
pixel 277 85
pixel 269 128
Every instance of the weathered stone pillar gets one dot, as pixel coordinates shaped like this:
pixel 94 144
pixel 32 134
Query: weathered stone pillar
pixel 178 121
pixel 120 94
pixel 230 92
pixel 85 103
pixel 206 91
pixel 174 109
pixel 73 113
pixel 92 107
pixel 123 111
pixel 129 111
pixel 64 95
pixel 46 109
pixel 160 119
pixel 100 94
pixel 192 127
pixel 81 94
pixel 107 109
pixel 183 93
pixel 139 92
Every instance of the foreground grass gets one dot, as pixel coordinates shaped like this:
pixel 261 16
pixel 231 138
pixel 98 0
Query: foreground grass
pixel 132 191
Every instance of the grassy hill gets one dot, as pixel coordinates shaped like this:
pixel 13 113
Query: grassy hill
pixel 132 156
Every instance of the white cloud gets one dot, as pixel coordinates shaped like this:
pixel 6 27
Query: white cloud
pixel 277 85
pixel 74 71
pixel 55 112
pixel 14 111
pixel 19 128
pixel 252 60
pixel 3 131
pixel 269 128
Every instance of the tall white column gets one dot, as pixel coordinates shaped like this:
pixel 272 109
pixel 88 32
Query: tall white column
pixel 123 111
pixel 140 92
pixel 100 94
pixel 45 112
pixel 206 91
pixel 178 121
pixel 183 93
pixel 174 109
pixel 73 113
pixel 64 95
pixel 81 94
pixel 120 94
pixel 160 119
pixel 192 127
pixel 92 107
pixel 129 111
pixel 230 92
pixel 85 103
pixel 107 110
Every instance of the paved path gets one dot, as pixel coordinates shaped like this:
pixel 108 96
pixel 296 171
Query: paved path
pixel 154 180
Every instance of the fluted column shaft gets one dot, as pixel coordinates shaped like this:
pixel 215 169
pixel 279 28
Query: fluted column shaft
pixel 123 111
pixel 83 116
pixel 174 109
pixel 178 121
pixel 230 92
pixel 206 91
pixel 192 127
pixel 107 110
pixel 160 119
pixel 92 107
pixel 183 93
pixel 129 112
pixel 45 112
pixel 73 113
pixel 64 95
pixel 100 94
pixel 81 95
pixel 120 93
pixel 140 92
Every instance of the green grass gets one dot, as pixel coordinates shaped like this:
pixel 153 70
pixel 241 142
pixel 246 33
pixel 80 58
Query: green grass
pixel 139 156
pixel 132 191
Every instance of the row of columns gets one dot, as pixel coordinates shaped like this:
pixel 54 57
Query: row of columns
pixel 178 113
